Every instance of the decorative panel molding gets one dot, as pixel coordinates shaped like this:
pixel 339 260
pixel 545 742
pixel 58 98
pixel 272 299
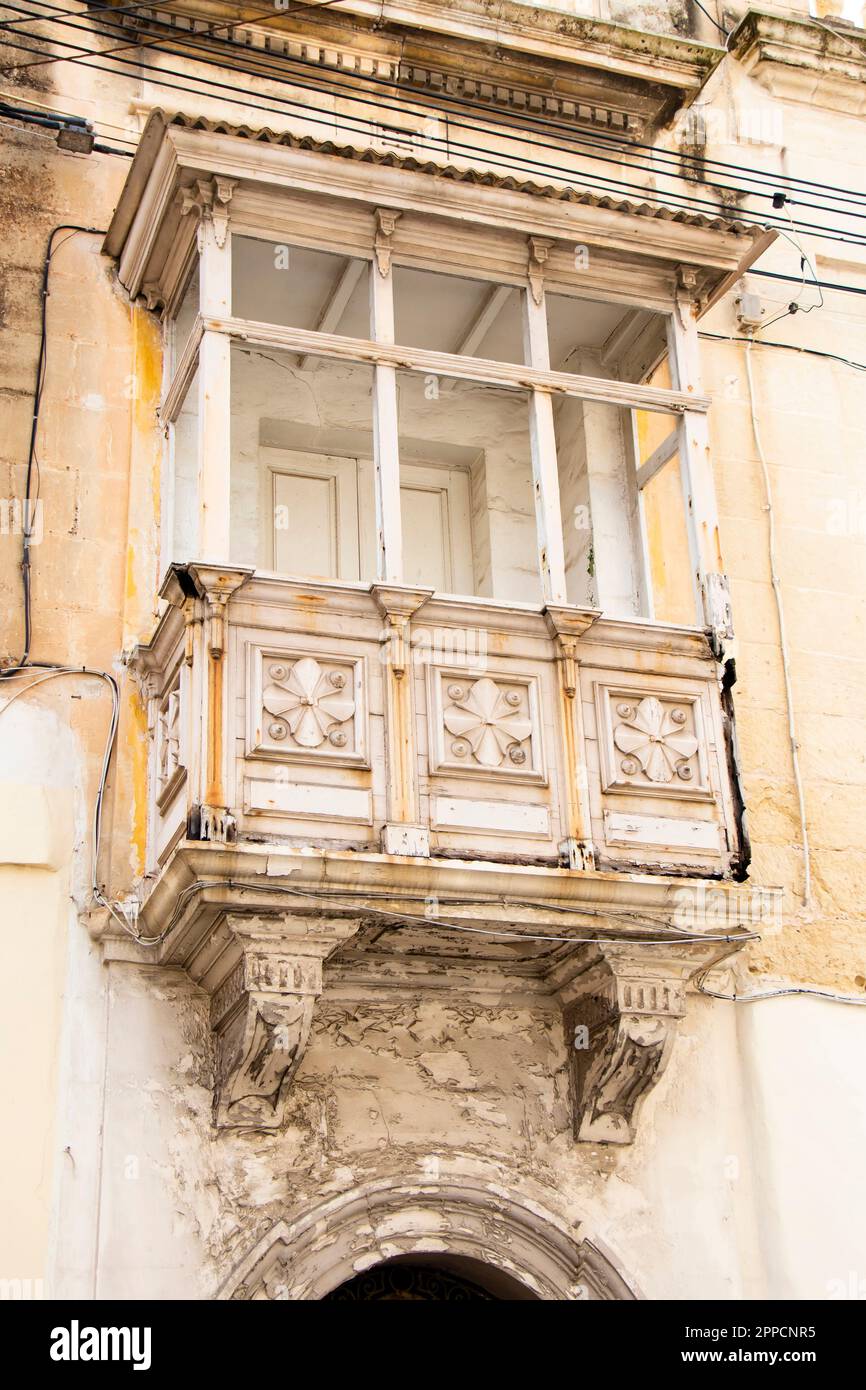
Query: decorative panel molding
pixel 486 727
pixel 306 707
pixel 661 832
pixel 170 769
pixel 652 742
pixel 308 800
pixel 503 817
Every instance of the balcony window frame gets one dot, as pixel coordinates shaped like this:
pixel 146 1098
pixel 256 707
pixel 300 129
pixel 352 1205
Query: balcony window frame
pixel 215 328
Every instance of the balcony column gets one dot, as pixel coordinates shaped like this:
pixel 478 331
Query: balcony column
pixel 212 199
pixel 566 627
pixel 712 596
pixel 545 473
pixel 386 440
pixel 401 833
pixel 212 819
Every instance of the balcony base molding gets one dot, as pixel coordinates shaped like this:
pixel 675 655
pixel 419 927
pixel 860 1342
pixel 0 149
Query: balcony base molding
pixel 253 926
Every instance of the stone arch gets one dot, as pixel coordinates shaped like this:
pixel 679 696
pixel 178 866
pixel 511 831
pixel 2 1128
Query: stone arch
pixel 330 1243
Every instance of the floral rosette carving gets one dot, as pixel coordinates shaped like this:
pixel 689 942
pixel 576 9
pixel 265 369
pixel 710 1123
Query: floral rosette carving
pixel 654 740
pixel 310 702
pixel 489 721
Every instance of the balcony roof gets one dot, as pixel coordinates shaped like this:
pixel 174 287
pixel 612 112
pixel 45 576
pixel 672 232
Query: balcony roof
pixel 177 148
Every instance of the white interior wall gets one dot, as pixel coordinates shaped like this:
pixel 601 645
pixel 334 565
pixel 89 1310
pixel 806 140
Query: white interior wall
pixel 574 501
pixel 327 408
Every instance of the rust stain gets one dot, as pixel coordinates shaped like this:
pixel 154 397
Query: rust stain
pixel 214 793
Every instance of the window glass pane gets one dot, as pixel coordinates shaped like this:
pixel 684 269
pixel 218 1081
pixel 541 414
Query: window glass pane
pixel 452 313
pixel 668 547
pixel 273 282
pixel 185 492
pixel 302 472
pixel 186 312
pixel 598 501
pixel 666 541
pixel 594 338
pixel 467 498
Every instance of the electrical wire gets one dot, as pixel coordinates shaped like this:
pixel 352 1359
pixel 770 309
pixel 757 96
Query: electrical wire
pixel 671 203
pixel 787 347
pixel 410 919
pixel 726 33
pixel 264 69
pixel 735 998
pixel 137 43
pixel 60 123
pixel 86 13
pixel 594 138
pixel 30 500
pixel 794 280
pixel 51 671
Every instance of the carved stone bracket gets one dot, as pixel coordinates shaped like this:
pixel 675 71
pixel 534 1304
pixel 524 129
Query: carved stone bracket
pixel 539 250
pixel 386 223
pixel 210 199
pixel 261 1016
pixel 620 1022
pixel 261 1009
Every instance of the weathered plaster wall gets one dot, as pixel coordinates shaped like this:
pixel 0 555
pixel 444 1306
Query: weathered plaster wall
pixel 709 1202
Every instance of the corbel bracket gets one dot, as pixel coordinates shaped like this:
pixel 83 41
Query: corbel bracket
pixel 620 1024
pixel 261 1013
pixel 386 222
pixel 210 199
pixel 398 603
pixel 567 626
pixel 539 251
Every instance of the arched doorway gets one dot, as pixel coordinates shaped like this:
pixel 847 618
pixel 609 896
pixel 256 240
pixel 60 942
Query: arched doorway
pixel 502 1240
pixel 446 1279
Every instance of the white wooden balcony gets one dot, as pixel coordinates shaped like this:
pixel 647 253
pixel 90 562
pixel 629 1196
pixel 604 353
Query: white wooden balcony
pixel 361 717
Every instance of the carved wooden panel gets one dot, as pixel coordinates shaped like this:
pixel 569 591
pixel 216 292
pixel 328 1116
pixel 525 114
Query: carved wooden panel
pixel 485 726
pixel 170 769
pixel 306 707
pixel 652 742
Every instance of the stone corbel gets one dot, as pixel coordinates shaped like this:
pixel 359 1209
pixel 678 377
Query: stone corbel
pixel 263 973
pixel 620 1021
pixel 539 251
pixel 261 1016
pixel 386 222
pixel 398 603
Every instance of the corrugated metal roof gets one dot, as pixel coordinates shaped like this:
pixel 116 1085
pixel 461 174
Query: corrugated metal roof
pixel 482 177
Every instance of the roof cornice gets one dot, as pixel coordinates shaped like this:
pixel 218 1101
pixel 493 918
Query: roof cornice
pixel 803 60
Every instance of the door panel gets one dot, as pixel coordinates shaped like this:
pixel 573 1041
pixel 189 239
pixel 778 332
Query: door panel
pixel 318 520
pixel 437 532
pixel 311 514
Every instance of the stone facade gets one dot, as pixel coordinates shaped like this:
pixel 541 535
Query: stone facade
pixel 419 915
